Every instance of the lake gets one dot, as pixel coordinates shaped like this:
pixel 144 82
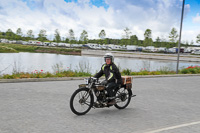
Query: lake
pixel 29 62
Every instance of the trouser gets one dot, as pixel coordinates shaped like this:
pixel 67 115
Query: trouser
pixel 111 89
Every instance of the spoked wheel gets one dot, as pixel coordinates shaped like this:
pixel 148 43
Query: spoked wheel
pixel 123 98
pixel 81 101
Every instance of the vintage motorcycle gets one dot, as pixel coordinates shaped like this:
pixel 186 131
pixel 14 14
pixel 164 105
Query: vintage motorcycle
pixel 82 100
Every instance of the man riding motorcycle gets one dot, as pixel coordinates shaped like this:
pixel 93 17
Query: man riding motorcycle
pixel 112 75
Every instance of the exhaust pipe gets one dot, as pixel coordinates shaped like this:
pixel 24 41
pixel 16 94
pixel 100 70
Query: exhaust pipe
pixel 133 95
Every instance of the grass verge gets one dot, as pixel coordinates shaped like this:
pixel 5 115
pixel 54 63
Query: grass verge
pixel 14 48
pixel 41 74
pixel 163 71
pixel 81 73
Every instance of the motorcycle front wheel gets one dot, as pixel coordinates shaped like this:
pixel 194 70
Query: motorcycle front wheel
pixel 81 101
pixel 123 98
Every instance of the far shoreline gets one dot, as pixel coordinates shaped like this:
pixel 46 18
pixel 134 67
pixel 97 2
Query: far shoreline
pixel 141 55
pixel 16 48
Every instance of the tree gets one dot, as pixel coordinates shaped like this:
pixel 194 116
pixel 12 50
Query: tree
pixel 57 37
pixel 133 40
pixel 186 43
pixel 9 34
pixel 42 35
pixel 102 34
pixel 192 42
pixel 71 36
pixel 67 40
pixel 126 37
pixel 147 34
pixel 158 39
pixel 198 38
pixel 173 35
pixel 158 42
pixel 107 41
pixel 127 33
pixel 1 35
pixel 84 37
pixel 30 34
pixel 148 40
pixel 19 32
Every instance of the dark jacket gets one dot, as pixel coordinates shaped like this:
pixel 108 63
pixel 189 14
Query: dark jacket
pixel 111 72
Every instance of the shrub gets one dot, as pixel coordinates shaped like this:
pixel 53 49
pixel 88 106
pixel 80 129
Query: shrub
pixel 190 70
pixel 134 73
pixel 155 73
pixel 81 73
pixel 24 75
pixel 126 72
pixel 145 72
pixel 7 76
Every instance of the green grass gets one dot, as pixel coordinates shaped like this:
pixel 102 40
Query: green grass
pixel 80 73
pixel 58 71
pixel 163 71
pixel 145 72
pixel 41 74
pixel 4 48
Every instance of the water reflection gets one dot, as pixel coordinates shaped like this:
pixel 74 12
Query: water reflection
pixel 28 62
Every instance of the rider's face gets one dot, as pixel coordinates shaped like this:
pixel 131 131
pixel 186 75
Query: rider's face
pixel 108 61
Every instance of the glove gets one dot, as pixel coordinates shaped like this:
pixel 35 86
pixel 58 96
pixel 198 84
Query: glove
pixel 104 82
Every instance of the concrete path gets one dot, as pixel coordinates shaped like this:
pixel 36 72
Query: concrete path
pixel 164 105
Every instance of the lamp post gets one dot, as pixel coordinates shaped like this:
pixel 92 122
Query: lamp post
pixel 179 43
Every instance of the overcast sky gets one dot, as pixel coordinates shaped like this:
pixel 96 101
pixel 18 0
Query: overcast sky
pixel 94 15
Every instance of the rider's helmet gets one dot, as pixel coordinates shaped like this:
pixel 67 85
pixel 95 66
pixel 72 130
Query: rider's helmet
pixel 109 55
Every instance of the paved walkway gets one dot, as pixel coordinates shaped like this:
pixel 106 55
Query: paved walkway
pixel 164 105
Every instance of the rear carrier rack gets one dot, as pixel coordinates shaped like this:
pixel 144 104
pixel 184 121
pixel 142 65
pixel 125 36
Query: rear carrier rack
pixel 127 81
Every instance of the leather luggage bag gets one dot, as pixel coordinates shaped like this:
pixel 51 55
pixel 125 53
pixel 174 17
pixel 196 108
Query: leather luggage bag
pixel 127 81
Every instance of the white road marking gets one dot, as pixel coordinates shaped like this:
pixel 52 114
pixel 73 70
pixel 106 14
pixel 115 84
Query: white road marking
pixel 174 127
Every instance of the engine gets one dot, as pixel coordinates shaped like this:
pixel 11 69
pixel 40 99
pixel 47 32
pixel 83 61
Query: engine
pixel 101 95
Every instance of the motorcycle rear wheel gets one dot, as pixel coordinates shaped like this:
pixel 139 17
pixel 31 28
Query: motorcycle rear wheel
pixel 81 101
pixel 124 98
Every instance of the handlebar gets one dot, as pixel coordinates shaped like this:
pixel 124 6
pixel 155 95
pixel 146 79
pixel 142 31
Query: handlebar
pixel 91 80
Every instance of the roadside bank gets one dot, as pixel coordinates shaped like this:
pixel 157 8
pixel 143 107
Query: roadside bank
pixel 140 55
pixel 82 78
pixel 15 48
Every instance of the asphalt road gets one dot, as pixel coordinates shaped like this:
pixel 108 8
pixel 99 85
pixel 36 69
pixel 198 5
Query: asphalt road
pixel 164 105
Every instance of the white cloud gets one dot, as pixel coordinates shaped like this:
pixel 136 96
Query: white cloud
pixel 158 15
pixel 196 19
pixel 189 35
